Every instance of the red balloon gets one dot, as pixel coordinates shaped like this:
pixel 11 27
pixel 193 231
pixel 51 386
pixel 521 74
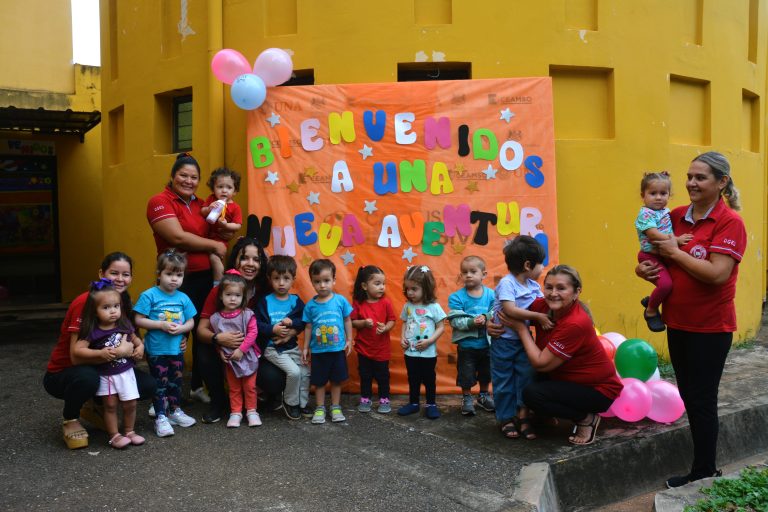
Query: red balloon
pixel 610 348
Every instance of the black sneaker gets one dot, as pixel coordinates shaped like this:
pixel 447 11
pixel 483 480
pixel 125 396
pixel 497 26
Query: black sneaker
pixel 679 481
pixel 212 416
pixel 307 411
pixel 292 411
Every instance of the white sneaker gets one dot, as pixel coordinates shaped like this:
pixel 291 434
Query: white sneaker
pixel 180 418
pixel 152 411
pixel 234 420
pixel 254 420
pixel 200 394
pixel 163 428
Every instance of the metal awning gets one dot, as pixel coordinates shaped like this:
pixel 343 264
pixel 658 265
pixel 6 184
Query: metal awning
pixel 40 120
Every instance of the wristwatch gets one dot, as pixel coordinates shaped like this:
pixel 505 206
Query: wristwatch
pixel 214 339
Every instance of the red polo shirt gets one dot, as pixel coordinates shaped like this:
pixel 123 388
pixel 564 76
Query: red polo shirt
pixel 573 339
pixel 695 306
pixel 168 204
pixel 59 359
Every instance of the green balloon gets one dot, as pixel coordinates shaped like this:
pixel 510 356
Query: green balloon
pixel 636 358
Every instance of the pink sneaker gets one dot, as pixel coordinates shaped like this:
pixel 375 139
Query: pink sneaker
pixel 254 420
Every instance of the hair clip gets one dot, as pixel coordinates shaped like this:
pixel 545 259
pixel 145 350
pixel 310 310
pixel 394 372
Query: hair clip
pixel 170 252
pixel 665 173
pixel 424 268
pixel 101 284
pixel 233 272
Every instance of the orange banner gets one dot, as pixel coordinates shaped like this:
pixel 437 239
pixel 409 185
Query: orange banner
pixel 399 174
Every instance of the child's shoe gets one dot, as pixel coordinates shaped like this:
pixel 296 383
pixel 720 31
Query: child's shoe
pixel 151 411
pixel 365 405
pixel 162 427
pixel 254 420
pixel 467 405
pixel 307 411
pixel 432 411
pixel 292 411
pixel 654 322
pixel 135 438
pixel 180 418
pixel 408 409
pixel 200 394
pixel 119 441
pixel 234 420
pixel 384 406
pixel 337 416
pixel 485 402
pixel 318 418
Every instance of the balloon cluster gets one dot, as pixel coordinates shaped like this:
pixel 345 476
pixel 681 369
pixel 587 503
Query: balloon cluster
pixel 644 393
pixel 249 86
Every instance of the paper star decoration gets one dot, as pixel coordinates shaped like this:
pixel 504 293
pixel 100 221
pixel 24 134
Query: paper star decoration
pixel 490 172
pixel 459 168
pixel 458 248
pixel 408 254
pixel 348 257
pixel 370 206
pixel 274 119
pixel 306 260
pixel 313 198
pixel 293 187
pixel 309 171
pixel 366 151
pixel 272 177
pixel 506 115
pixel 472 187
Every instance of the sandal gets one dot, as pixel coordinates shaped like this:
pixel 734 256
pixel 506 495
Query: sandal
pixel 75 439
pixel 509 429
pixel 592 433
pixel 526 429
pixel 135 438
pixel 119 441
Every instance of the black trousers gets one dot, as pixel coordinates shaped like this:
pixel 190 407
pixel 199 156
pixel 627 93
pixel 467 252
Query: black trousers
pixel 698 360
pixel 561 399
pixel 77 384
pixel 197 285
pixel 370 370
pixel 421 370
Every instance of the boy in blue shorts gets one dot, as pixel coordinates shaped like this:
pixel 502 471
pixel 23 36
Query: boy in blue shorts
pixel 276 315
pixel 328 336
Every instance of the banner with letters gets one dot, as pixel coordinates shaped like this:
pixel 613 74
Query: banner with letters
pixel 400 174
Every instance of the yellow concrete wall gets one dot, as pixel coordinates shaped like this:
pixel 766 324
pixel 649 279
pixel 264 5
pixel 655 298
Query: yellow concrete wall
pixel 36 45
pixel 637 86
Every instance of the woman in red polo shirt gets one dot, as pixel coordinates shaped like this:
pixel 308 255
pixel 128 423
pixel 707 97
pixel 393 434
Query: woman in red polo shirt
pixel 577 380
pixel 700 313
pixel 175 218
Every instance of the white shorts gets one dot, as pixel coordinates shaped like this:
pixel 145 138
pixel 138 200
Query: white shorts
pixel 123 385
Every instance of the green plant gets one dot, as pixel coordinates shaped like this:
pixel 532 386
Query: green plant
pixel 665 369
pixel 748 493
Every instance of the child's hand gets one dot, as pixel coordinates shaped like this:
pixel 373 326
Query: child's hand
pixel 368 322
pixel 169 327
pixel 138 352
pixel 223 356
pixel 286 322
pixel 305 357
pixel 684 239
pixel 479 320
pixel 279 330
pixel 404 343
pixel 422 345
pixel 544 321
pixel 381 328
pixel 348 347
pixel 236 355
pixel 109 354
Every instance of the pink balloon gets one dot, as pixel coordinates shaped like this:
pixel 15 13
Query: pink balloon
pixel 667 406
pixel 274 66
pixel 609 413
pixel 634 402
pixel 615 338
pixel 228 64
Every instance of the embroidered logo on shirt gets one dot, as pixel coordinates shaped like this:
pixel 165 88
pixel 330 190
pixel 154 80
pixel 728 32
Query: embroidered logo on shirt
pixel 699 252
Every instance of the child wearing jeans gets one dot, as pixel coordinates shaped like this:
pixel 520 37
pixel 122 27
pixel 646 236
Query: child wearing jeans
pixel 468 309
pixel 276 314
pixel 511 371
pixel 328 336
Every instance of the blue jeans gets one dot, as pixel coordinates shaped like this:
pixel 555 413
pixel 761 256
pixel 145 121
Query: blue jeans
pixel 511 372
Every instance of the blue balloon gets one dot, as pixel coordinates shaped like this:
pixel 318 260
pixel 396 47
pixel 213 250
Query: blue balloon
pixel 248 91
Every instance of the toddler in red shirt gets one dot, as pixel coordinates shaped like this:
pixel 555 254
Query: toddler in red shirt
pixel 224 183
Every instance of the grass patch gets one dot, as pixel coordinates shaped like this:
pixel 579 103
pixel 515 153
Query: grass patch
pixel 748 493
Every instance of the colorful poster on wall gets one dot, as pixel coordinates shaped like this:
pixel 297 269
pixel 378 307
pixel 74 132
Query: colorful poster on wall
pixel 400 174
